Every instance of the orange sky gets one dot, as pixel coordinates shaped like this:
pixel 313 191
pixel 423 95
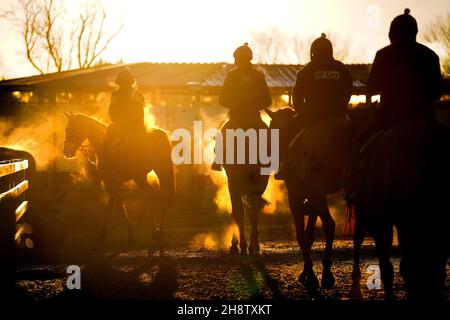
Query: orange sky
pixel 209 30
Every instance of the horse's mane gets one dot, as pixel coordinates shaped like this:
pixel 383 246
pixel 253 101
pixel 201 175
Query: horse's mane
pixel 93 120
pixel 89 119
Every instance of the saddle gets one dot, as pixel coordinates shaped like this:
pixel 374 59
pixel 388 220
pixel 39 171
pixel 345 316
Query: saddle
pixel 119 144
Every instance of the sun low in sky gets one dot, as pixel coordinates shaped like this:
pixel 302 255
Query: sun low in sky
pixel 209 30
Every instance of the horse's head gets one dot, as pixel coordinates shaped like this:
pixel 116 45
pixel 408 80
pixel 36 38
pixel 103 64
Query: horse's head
pixel 75 135
pixel 280 118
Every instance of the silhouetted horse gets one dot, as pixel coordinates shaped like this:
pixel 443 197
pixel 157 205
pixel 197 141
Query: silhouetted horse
pixel 406 181
pixel 246 186
pixel 313 163
pixel 139 157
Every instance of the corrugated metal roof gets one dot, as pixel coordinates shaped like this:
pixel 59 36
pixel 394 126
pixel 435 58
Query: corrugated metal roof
pixel 162 75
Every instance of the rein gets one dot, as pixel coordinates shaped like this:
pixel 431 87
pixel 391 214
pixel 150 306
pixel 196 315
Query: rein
pixel 84 149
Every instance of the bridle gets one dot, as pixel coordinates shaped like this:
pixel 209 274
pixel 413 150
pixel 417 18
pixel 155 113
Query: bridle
pixel 84 149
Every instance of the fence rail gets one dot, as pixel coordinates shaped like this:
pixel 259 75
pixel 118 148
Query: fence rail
pixel 13 200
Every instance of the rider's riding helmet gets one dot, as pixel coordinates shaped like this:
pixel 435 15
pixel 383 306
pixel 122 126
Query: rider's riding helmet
pixel 321 49
pixel 243 53
pixel 403 28
pixel 124 78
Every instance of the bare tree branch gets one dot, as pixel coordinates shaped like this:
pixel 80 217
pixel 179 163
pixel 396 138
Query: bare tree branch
pixel 438 32
pixel 275 46
pixel 52 41
pixel 270 46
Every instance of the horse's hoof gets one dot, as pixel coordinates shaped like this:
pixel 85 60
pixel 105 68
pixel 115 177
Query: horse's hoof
pixel 302 277
pixel 355 291
pixel 328 280
pixel 234 251
pixel 311 281
pixel 254 250
pixel 243 248
pixel 244 253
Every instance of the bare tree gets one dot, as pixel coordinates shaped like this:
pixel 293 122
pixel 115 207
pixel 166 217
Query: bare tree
pixel 438 32
pixel 53 40
pixel 300 46
pixel 276 46
pixel 270 46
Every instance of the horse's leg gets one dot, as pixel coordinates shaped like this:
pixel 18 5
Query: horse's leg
pixel 311 230
pixel 358 238
pixel 149 194
pixel 307 276
pixel 238 217
pixel 106 214
pixel 382 235
pixel 237 214
pixel 256 205
pixel 328 226
pixel 123 211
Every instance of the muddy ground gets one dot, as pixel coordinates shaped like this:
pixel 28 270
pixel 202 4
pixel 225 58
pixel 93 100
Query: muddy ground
pixel 196 264
pixel 198 273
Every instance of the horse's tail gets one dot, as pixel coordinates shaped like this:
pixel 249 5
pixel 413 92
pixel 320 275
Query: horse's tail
pixel 350 219
pixel 164 168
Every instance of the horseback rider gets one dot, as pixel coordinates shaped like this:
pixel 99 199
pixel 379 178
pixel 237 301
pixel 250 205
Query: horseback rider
pixel 407 76
pixel 322 89
pixel 126 111
pixel 244 94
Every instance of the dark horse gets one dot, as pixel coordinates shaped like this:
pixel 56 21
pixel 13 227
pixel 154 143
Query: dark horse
pixel 313 160
pixel 405 182
pixel 152 152
pixel 246 186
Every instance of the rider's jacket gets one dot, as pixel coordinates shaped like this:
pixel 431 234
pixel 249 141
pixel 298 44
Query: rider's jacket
pixel 126 109
pixel 245 92
pixel 322 90
pixel 408 77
